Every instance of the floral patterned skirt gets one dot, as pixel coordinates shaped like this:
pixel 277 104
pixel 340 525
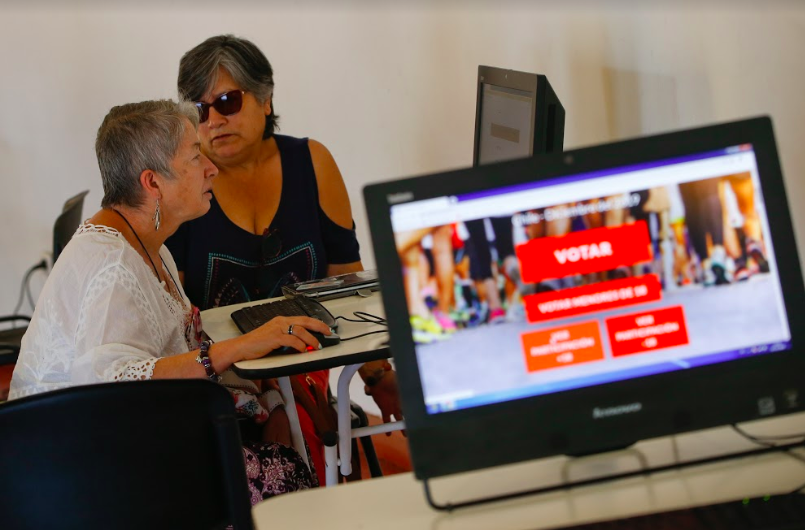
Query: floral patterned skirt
pixel 273 469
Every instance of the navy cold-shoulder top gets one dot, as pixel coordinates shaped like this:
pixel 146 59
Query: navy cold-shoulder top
pixel 224 264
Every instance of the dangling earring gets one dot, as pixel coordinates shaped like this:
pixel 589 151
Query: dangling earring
pixel 157 218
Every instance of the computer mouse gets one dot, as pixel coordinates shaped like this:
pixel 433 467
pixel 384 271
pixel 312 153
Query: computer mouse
pixel 326 340
pixel 282 350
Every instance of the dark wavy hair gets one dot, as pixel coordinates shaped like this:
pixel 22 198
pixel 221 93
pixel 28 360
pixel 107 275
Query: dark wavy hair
pixel 198 72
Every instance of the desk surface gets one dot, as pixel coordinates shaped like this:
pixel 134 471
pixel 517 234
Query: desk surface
pixel 219 326
pixel 398 502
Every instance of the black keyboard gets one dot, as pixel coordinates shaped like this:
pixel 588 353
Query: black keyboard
pixel 776 512
pixel 252 317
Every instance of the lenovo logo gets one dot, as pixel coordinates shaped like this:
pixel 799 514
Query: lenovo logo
pixel 619 410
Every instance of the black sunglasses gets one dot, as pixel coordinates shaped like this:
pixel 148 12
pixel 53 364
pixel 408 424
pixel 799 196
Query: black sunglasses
pixel 226 104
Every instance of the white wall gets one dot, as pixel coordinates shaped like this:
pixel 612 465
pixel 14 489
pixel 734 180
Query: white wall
pixel 391 91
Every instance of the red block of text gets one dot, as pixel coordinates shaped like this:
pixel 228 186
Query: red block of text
pixel 595 250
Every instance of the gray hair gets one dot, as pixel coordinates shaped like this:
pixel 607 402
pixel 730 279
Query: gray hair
pixel 135 137
pixel 249 68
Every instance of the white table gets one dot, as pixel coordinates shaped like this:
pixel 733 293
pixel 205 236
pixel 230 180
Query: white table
pixel 398 502
pixel 351 354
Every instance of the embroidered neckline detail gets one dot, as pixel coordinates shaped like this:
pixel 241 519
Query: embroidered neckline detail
pixel 176 305
pixel 89 228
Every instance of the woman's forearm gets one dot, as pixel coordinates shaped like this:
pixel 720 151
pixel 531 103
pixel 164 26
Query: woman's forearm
pixel 184 366
pixel 276 333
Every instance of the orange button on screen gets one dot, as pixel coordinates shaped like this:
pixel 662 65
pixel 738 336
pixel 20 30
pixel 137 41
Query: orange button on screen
pixel 562 346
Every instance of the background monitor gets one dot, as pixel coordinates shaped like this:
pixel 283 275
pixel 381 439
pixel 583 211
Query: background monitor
pixel 67 223
pixel 658 287
pixel 517 115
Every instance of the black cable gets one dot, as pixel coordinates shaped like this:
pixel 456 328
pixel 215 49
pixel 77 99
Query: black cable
pixel 21 298
pixel 364 318
pixel 768 441
pixel 26 287
pixel 30 296
pixel 763 440
pixel 364 334
pixel 796 456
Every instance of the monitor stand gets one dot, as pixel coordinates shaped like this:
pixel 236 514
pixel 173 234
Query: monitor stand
pixel 606 478
pixel 598 452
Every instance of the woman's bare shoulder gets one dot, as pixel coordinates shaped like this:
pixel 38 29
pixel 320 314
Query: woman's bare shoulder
pixel 327 173
pixel 319 153
pixel 333 196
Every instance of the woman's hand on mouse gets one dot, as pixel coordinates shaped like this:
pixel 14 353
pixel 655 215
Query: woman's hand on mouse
pixel 283 331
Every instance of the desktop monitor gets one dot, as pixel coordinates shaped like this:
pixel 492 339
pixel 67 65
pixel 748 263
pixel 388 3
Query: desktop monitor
pixel 517 115
pixel 654 288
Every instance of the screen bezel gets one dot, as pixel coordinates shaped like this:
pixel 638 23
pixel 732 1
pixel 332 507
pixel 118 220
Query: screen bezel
pixel 496 434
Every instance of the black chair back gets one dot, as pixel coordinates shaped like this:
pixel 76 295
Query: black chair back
pixel 149 454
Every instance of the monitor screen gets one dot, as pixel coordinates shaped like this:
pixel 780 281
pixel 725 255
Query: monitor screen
pixel 574 303
pixel 505 124
pixel 602 279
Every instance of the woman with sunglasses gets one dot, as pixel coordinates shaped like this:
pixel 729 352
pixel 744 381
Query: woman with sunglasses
pixel 280 212
pixel 113 309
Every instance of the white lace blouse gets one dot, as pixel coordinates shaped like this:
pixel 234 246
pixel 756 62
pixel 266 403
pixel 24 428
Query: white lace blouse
pixel 102 316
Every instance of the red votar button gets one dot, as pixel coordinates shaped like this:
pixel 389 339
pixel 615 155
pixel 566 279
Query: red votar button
pixel 647 331
pixel 594 297
pixel 595 250
pixel 562 346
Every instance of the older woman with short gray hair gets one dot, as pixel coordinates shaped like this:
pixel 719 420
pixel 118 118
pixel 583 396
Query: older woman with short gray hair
pixel 113 309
